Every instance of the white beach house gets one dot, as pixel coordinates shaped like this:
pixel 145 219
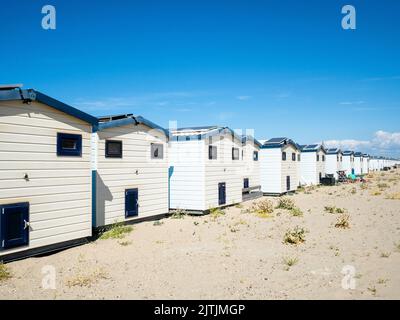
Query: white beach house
pixel 130 170
pixel 334 161
pixel 251 165
pixel 365 163
pixel 358 163
pixel 279 166
pixel 312 164
pixel 348 162
pixel 45 176
pixel 206 168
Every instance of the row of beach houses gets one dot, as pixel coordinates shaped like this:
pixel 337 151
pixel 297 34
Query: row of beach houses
pixel 65 173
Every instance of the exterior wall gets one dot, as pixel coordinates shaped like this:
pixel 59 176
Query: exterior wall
pixel 357 166
pixel 308 168
pixel 270 170
pixel 365 167
pixel 135 169
pixel 348 164
pixel 320 165
pixel 223 169
pixel 251 168
pixel 59 187
pixel 331 164
pixel 290 168
pixel 373 165
pixel 187 182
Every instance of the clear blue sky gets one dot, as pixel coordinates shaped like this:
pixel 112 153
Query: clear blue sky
pixel 284 68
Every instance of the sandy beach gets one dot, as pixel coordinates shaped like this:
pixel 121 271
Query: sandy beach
pixel 239 253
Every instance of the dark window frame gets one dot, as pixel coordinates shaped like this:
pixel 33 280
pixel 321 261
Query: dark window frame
pixel 317 157
pixel 107 154
pixel 75 152
pixel 293 156
pixel 255 155
pixel 159 145
pixel 210 152
pixel 233 153
pixel 283 156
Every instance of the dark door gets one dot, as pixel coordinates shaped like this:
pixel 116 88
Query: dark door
pixel 245 183
pixel 221 193
pixel 320 177
pixel 14 225
pixel 287 183
pixel 131 202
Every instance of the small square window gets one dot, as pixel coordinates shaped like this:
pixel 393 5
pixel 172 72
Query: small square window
pixel 284 156
pixel 255 155
pixel 157 151
pixel 69 144
pixel 212 152
pixel 293 156
pixel 113 149
pixel 235 154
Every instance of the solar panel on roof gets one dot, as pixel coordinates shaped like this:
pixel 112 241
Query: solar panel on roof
pixel 275 140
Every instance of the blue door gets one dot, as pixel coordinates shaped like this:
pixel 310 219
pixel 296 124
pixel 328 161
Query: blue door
pixel 131 203
pixel 288 183
pixel 221 193
pixel 245 183
pixel 14 223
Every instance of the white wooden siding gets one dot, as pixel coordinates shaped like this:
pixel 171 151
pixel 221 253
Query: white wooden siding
pixel 357 165
pixel 290 168
pixel 308 168
pixel 59 187
pixel 135 169
pixel 332 165
pixel 223 169
pixel 347 164
pixel 187 183
pixel 365 165
pixel 251 168
pixel 270 170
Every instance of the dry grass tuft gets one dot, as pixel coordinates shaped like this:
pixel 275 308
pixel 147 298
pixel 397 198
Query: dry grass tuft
pixel 289 262
pixel 296 212
pixel 343 221
pixel 263 209
pixel 216 212
pixel 87 279
pixel 116 231
pixel 178 214
pixel 285 203
pixel 4 272
pixel 334 209
pixel 295 236
pixel 393 196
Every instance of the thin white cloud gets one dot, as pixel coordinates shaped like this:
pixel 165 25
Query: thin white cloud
pixel 243 98
pixel 382 143
pixel 352 102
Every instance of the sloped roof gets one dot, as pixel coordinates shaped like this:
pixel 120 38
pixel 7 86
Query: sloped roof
pixel 312 148
pixel 199 133
pixel 279 143
pixel 123 120
pixel 333 151
pixel 28 95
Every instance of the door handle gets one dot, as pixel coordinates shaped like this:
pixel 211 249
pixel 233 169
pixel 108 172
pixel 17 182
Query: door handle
pixel 26 224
